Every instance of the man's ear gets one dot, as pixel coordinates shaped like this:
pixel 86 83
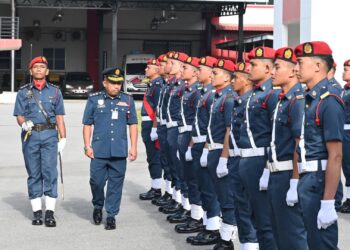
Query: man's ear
pixel 47 72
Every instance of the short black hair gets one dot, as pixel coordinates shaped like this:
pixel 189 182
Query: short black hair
pixel 328 59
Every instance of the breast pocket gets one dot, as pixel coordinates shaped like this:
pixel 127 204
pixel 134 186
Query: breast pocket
pixel 49 108
pixel 122 112
pixel 282 120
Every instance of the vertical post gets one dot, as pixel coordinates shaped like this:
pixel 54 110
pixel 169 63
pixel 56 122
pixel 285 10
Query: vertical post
pixel 209 34
pixel 114 35
pixel 13 32
pixel 241 10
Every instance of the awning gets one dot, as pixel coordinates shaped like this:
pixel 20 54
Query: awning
pixel 248 43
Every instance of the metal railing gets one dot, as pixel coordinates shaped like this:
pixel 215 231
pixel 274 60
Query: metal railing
pixel 9 27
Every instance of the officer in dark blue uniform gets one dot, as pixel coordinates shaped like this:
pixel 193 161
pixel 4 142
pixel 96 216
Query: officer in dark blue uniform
pixel 218 131
pixel 282 163
pixel 243 212
pixel 320 146
pixel 332 81
pixel 149 129
pixel 39 110
pixel 210 204
pixel 109 112
pixel 254 140
pixel 345 208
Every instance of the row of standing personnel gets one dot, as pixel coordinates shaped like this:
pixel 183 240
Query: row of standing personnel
pixel 246 147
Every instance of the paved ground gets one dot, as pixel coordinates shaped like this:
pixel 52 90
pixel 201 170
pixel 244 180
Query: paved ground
pixel 139 224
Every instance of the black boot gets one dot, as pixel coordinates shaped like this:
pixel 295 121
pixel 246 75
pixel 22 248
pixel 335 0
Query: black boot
pixel 110 223
pixel 37 218
pixel 189 239
pixel 180 216
pixel 170 203
pixel 172 209
pixel 224 245
pixel 151 194
pixel 208 237
pixel 345 207
pixel 191 226
pixel 162 200
pixel 50 219
pixel 97 216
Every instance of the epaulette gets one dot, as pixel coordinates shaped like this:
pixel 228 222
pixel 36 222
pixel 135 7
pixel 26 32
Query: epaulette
pixel 200 87
pixel 24 86
pixel 299 97
pixel 229 96
pixel 213 91
pixel 323 96
pixel 96 93
pixel 276 87
pixel 53 85
pixel 157 83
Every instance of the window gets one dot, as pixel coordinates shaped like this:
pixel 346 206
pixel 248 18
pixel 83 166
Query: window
pixel 135 68
pixel 160 47
pixel 5 59
pixel 56 58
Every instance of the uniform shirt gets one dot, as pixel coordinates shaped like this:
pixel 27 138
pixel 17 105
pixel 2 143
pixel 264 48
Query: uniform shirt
pixel 346 98
pixel 337 88
pixel 50 97
pixel 331 115
pixel 220 114
pixel 152 94
pixel 238 116
pixel 169 86
pixel 202 111
pixel 174 102
pixel 110 118
pixel 189 102
pixel 288 123
pixel 260 107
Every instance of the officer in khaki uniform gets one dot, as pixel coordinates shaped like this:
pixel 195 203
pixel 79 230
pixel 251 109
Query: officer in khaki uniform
pixel 106 117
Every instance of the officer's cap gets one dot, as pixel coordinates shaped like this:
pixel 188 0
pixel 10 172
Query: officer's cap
pixel 227 65
pixel 180 56
pixel 162 58
pixel 262 53
pixel 243 67
pixel 286 54
pixel 194 61
pixel 153 61
pixel 208 61
pixel 38 59
pixel 113 75
pixel 317 48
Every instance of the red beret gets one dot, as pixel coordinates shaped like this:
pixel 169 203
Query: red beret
pixel 262 53
pixel 334 64
pixel 243 67
pixel 286 54
pixel 225 64
pixel 313 49
pixel 162 58
pixel 170 54
pixel 208 61
pixel 38 59
pixel 153 61
pixel 347 63
pixel 180 56
pixel 194 61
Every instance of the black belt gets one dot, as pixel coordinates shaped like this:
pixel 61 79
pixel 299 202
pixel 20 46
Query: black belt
pixel 41 127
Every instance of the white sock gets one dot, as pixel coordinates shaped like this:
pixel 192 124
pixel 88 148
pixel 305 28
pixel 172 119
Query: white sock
pixel 178 196
pixel 226 231
pixel 36 204
pixel 196 212
pixel 157 183
pixel 249 246
pixel 168 187
pixel 205 218
pixel 185 203
pixel 50 203
pixel 213 223
pixel 348 192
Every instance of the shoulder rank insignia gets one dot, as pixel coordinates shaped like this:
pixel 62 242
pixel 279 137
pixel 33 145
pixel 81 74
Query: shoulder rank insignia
pixel 324 95
pixel 276 87
pixel 299 97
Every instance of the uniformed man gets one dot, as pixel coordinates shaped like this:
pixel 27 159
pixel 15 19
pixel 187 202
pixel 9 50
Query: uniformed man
pixel 149 129
pixel 218 130
pixel 254 140
pixel 243 212
pixel 320 146
pixel 107 114
pixel 345 208
pixel 210 204
pixel 39 110
pixel 332 81
pixel 282 163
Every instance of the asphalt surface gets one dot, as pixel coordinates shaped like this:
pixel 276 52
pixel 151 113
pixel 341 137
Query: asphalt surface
pixel 139 224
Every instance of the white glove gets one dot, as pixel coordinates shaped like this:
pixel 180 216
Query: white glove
pixel 204 158
pixel 264 180
pixel 221 169
pixel 292 194
pixel 154 135
pixel 327 214
pixel 188 155
pixel 27 125
pixel 61 145
pixel 178 154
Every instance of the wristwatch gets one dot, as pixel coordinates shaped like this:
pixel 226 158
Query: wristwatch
pixel 86 148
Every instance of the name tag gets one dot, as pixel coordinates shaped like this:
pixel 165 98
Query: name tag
pixel 114 115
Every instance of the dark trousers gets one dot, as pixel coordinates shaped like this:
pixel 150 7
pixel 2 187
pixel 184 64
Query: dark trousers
pixel 153 154
pixel 110 170
pixel 164 152
pixel 172 135
pixel 40 157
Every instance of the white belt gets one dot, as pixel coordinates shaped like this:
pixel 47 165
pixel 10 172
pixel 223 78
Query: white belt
pixel 184 129
pixel 346 126
pixel 234 152
pixel 251 152
pixel 311 166
pixel 171 124
pixel 213 146
pixel 280 166
pixel 163 122
pixel 146 118
pixel 199 139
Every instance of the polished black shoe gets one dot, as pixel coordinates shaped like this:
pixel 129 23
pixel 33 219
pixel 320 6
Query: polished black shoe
pixel 110 223
pixel 37 218
pixel 172 209
pixel 162 200
pixel 191 226
pixel 50 219
pixel 345 207
pixel 97 216
pixel 224 245
pixel 168 204
pixel 180 216
pixel 207 238
pixel 150 194
pixel 189 239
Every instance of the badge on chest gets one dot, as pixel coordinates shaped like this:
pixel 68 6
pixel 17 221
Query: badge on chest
pixel 101 103
pixel 115 115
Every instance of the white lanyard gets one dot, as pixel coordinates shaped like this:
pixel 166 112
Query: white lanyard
pixel 182 113
pixel 210 116
pixel 249 132
pixel 273 144
pixel 302 141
